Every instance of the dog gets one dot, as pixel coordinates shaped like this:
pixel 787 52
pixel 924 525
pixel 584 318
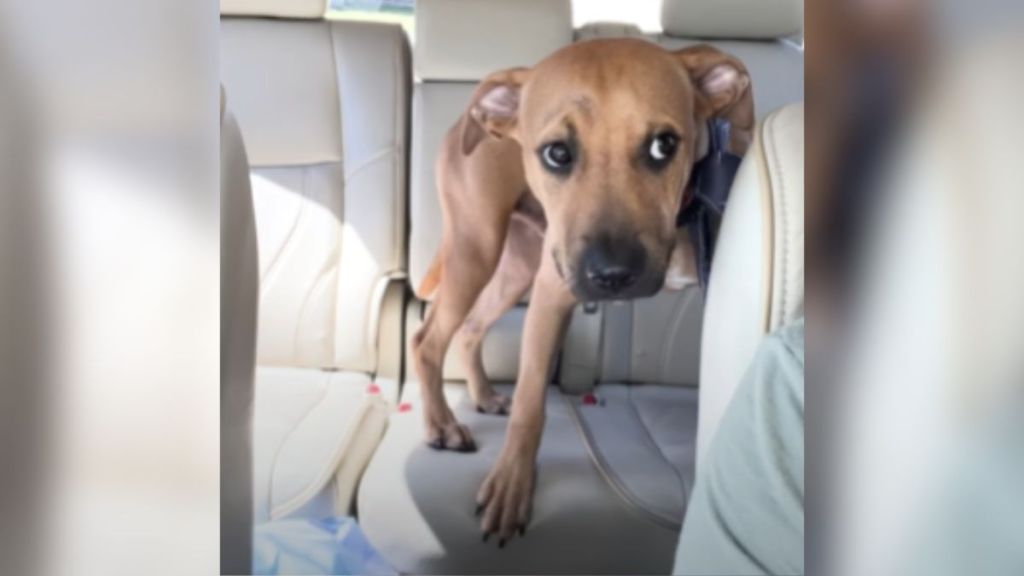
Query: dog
pixel 566 177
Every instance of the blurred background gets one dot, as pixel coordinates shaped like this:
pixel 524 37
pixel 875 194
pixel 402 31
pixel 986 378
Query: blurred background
pixel 109 285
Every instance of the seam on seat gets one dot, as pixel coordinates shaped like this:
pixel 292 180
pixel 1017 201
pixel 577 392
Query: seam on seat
pixel 647 431
pixel 284 441
pixel 767 235
pixel 312 162
pixel 330 467
pixel 400 168
pixel 339 96
pixel 611 478
pixel 375 317
pixel 675 329
pixel 375 157
pixel 783 220
pixel 272 266
pixel 330 265
pixel 296 353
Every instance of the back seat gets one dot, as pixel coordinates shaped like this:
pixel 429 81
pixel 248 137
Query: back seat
pixel 613 476
pixel 322 107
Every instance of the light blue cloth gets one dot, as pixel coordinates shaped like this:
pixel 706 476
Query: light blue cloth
pixel 746 514
pixel 303 546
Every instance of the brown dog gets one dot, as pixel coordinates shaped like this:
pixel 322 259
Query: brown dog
pixel 567 177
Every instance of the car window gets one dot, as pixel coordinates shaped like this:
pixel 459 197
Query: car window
pixel 392 11
pixel 643 13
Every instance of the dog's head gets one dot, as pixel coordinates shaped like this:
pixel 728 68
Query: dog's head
pixel 610 130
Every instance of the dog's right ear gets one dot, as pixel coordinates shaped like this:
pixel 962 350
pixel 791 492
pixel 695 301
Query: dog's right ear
pixel 723 90
pixel 494 107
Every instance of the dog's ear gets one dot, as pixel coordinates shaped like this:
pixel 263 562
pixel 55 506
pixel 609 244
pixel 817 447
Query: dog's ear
pixel 493 108
pixel 723 90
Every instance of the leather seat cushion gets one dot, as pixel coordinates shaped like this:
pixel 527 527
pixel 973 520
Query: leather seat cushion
pixel 609 497
pixel 313 433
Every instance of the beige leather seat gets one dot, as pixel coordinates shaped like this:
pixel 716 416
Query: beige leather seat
pixel 757 282
pixel 322 107
pixel 238 304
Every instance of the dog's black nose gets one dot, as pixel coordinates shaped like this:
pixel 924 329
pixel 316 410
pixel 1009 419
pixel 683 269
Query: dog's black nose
pixel 611 268
pixel 612 279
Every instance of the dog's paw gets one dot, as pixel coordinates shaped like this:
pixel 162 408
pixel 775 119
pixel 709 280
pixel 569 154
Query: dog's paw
pixel 494 403
pixel 505 499
pixel 450 436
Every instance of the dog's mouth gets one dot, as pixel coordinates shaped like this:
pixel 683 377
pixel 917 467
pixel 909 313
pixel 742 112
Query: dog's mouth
pixel 586 292
pixel 645 284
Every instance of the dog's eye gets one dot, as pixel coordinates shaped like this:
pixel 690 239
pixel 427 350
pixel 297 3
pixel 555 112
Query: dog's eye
pixel 557 157
pixel 663 147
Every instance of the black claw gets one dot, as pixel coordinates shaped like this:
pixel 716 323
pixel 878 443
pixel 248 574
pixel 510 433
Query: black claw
pixel 437 444
pixel 480 409
pixel 467 442
pixel 501 543
pixel 503 411
pixel 486 536
pixel 522 530
pixel 479 509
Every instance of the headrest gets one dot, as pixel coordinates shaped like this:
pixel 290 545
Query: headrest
pixel 733 19
pixel 469 39
pixel 757 277
pixel 304 9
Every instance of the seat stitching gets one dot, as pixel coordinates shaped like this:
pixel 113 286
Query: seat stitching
pixel 347 439
pixel 399 168
pixel 327 471
pixel 609 475
pixel 287 436
pixel 304 192
pixel 337 90
pixel 650 436
pixel 669 343
pixel 764 181
pixel 381 154
pixel 329 266
pixel 343 216
pixel 783 220
pixel 272 266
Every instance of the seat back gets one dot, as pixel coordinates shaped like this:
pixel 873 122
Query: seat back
pixel 458 43
pixel 322 106
pixel 757 281
pixel 238 304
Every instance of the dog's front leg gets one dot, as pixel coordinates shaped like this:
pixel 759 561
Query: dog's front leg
pixel 507 493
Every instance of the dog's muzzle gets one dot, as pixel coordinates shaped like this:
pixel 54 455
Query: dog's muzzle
pixel 614 269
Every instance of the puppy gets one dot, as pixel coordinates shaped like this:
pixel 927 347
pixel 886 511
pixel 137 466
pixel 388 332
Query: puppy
pixel 566 178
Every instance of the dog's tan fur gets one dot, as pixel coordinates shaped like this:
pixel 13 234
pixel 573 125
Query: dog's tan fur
pixel 509 225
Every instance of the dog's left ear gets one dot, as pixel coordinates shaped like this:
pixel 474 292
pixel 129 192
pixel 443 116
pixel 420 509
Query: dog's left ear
pixel 723 90
pixel 493 108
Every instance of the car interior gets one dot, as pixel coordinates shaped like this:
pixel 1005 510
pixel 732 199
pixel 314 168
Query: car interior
pixel 330 130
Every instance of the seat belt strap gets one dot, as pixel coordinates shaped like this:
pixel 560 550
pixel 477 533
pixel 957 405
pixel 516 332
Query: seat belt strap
pixel 702 210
